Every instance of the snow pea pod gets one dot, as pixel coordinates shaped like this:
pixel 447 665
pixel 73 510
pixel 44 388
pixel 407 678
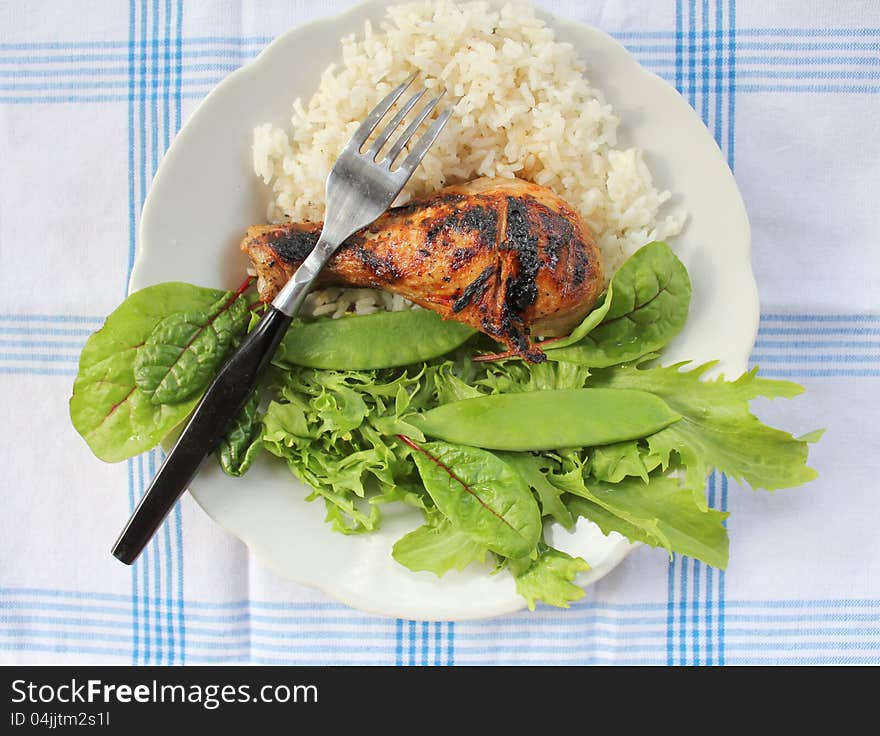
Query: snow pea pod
pixel 548 420
pixel 379 340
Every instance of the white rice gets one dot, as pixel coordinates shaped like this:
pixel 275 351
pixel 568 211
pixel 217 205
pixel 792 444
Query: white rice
pixel 527 109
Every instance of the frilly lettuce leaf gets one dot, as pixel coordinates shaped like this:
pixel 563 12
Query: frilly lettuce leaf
pixel 613 463
pixel 533 469
pixel 717 429
pixel 438 548
pixel 660 513
pixel 548 578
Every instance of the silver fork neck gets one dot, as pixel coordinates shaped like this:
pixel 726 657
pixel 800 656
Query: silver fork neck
pixel 290 299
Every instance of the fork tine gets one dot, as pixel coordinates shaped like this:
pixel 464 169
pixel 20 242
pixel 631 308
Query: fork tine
pixel 383 137
pixel 411 129
pixel 425 142
pixel 377 113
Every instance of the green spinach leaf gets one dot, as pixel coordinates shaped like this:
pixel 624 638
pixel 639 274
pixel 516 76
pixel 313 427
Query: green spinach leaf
pixel 591 321
pixel 481 495
pixel 184 351
pixel 115 418
pixel 243 441
pixel 649 299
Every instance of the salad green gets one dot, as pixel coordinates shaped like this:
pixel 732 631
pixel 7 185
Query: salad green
pixel 184 351
pixel 646 308
pixel 109 406
pixel 380 340
pixel 480 495
pixel 548 420
pixel 403 407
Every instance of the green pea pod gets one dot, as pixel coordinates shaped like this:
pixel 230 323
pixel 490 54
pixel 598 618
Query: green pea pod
pixel 380 340
pixel 548 420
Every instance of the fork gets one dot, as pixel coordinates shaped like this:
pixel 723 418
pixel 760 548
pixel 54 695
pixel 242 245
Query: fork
pixel 360 187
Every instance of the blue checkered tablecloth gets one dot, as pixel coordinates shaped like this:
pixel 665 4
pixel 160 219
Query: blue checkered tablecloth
pixel 92 93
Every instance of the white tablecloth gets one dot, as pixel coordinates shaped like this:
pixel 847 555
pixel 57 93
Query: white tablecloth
pixel 91 93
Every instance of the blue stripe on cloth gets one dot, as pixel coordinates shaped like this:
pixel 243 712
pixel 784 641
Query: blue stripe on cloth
pixel 143 565
pixel 157 569
pixel 684 630
pixel 135 634
pixel 710 588
pixel 10 371
pixel 77 344
pixel 682 611
pixel 76 318
pixel 257 41
pixel 794 317
pixel 283 625
pixel 260 41
pixel 721 584
pixel 166 113
pixel 670 611
pixel 141 74
pixel 812 32
pixel 155 128
pixel 135 654
pixel 694 612
pixel 867 89
pixel 178 513
pixel 820 373
pixel 691 58
pixel 216 49
pixel 425 626
pixel 169 560
pixel 731 92
pixel 38 598
pixel 155 82
pixel 723 44
pixel 90 99
pixel 705 53
pixel 679 39
pixel 450 644
pixel 810 344
pixel 46 331
pixel 843 358
pixel 120 69
pixel 823 330
pixel 663 63
pixel 45 357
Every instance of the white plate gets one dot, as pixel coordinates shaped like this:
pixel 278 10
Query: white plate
pixel 205 195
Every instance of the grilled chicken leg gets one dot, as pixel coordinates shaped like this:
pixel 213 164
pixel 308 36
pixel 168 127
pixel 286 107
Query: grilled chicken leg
pixel 505 256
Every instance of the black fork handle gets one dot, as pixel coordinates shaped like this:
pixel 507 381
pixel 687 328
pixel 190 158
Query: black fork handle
pixel 224 399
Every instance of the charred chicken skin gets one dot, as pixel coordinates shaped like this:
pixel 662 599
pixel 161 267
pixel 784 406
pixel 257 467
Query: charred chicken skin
pixel 504 256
